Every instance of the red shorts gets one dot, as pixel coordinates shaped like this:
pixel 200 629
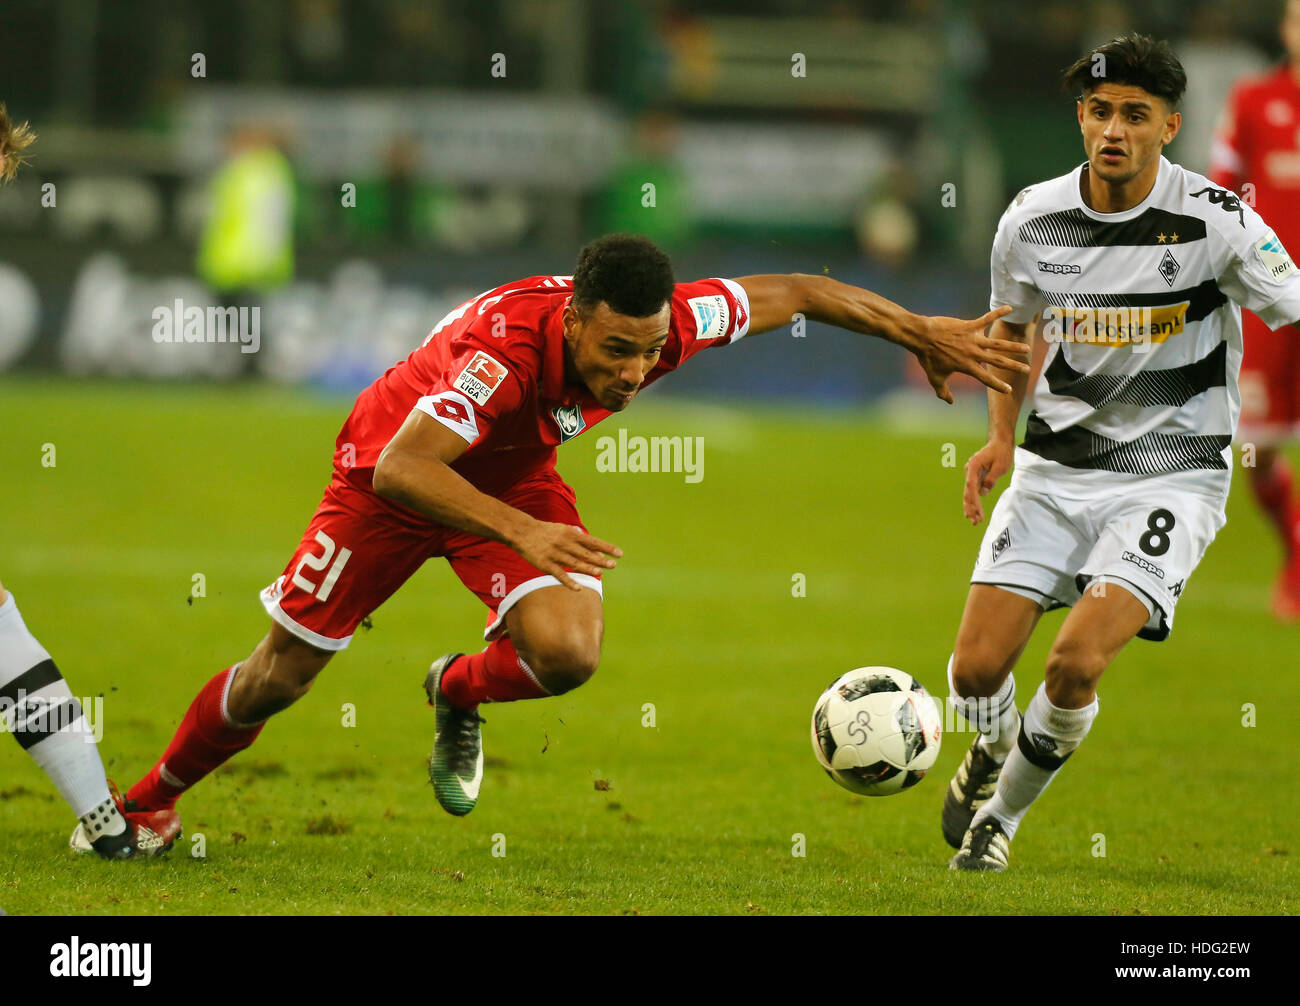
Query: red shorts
pixel 1270 383
pixel 359 548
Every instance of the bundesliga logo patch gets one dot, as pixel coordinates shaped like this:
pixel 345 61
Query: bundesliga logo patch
pixel 481 377
pixel 1275 258
pixel 711 316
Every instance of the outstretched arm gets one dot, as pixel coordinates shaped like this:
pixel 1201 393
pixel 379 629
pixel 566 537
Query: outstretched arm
pixel 943 346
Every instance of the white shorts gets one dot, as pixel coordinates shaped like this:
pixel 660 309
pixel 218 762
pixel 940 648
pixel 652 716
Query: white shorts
pixel 1050 549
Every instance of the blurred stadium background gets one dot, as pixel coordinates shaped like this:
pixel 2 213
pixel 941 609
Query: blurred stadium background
pixel 359 167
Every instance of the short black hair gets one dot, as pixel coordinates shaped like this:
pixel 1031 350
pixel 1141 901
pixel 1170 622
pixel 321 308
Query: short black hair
pixel 626 271
pixel 1133 59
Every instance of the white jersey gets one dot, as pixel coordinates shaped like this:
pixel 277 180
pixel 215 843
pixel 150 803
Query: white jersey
pixel 1142 313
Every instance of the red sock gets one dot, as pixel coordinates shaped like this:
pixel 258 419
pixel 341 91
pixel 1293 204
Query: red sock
pixel 1273 489
pixel 498 674
pixel 204 740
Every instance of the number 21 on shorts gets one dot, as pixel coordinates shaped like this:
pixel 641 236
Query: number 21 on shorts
pixel 319 562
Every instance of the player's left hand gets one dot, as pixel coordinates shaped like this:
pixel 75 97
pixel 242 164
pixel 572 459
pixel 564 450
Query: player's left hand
pixel 952 346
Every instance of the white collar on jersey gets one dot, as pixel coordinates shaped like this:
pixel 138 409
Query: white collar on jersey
pixel 1162 173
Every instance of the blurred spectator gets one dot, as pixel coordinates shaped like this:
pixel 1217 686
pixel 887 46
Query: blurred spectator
pixel 1214 56
pixel 247 241
pixel 647 191
pixel 399 205
pixel 887 226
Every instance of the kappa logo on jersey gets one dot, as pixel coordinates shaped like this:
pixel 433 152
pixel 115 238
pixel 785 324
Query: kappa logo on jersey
pixel 1221 197
pixel 1275 257
pixel 1141 563
pixel 1169 267
pixel 1060 268
pixel 711 316
pixel 1001 543
pixel 570 421
pixel 454 411
pixel 481 377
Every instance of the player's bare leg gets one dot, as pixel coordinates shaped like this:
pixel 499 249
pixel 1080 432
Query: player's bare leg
pixel 1272 484
pixel 228 714
pixel 552 646
pixel 1056 720
pixel 275 676
pixel 995 628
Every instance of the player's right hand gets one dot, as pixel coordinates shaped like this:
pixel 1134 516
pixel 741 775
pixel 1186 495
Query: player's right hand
pixel 983 470
pixel 559 549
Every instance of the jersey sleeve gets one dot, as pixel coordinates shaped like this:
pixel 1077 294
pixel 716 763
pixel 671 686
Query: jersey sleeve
pixel 709 312
pixel 1229 149
pixel 1009 281
pixel 480 385
pixel 1260 274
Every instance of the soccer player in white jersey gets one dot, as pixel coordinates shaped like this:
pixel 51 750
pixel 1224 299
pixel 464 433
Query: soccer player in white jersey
pixel 1136 270
pixel 39 709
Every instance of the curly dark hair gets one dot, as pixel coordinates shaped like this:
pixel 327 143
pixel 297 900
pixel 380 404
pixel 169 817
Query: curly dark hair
pixel 626 271
pixel 1133 59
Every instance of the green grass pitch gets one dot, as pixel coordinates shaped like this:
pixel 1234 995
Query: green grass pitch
pixel 595 811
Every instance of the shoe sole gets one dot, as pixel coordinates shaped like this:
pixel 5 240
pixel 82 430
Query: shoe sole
pixel 974 866
pixel 80 844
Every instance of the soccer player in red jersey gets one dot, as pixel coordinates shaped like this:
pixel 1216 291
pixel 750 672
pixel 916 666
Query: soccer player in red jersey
pixel 1258 145
pixel 452 453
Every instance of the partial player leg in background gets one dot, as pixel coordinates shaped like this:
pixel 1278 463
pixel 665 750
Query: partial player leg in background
pixel 995 628
pixel 1273 485
pixel 1270 417
pixel 1056 719
pixel 48 722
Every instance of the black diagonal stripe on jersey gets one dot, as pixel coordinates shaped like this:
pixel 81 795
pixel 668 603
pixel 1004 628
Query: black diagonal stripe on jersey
pixel 1172 386
pixel 57 716
pixel 1202 300
pixel 1150 454
pixel 44 673
pixel 1075 229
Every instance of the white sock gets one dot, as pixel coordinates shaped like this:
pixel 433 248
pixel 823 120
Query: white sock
pixel 995 717
pixel 46 720
pixel 1048 736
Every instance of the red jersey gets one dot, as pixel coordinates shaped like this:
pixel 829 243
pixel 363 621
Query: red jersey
pixel 1258 143
pixel 492 371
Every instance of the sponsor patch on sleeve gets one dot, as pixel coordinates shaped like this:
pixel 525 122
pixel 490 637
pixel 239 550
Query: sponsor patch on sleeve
pixel 481 376
pixel 1275 257
pixel 712 316
pixel 454 411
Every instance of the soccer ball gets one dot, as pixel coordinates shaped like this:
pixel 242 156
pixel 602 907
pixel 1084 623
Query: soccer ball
pixel 876 730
